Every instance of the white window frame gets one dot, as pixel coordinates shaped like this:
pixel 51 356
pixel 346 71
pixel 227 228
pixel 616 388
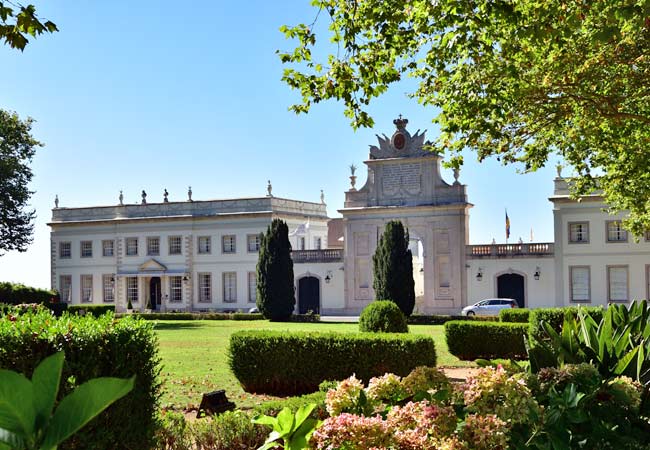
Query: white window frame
pixel 132 290
pixel 252 287
pixel 204 245
pixel 229 287
pixel 86 246
pixel 255 240
pixel 108 251
pixel 204 280
pixel 108 288
pixel 301 243
pixel 627 283
pixel 318 243
pixel 65 293
pixel 571 288
pixel 131 240
pixel 582 235
pixel 86 288
pixel 153 246
pixel 171 245
pixel 619 231
pixel 65 250
pixel 176 289
pixel 229 244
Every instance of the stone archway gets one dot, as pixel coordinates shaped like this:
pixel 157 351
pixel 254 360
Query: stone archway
pixel 512 285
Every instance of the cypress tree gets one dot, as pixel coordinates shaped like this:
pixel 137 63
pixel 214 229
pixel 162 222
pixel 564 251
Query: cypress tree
pixel 275 292
pixel 393 268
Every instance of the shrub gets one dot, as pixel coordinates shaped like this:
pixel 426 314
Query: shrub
pixel 486 340
pixel 383 316
pixel 94 347
pixel 291 363
pixel 555 317
pixel 93 310
pixel 517 315
pixel 195 316
pixel 419 319
pixel 273 407
pixel 15 293
pixel 393 267
pixel 275 291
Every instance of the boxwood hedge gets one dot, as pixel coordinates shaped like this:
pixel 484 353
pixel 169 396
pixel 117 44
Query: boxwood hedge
pixel 94 310
pixel 487 340
pixel 294 363
pixel 94 347
pixel 421 319
pixel 555 317
pixel 14 294
pixel 518 315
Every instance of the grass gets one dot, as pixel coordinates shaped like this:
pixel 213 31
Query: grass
pixel 194 357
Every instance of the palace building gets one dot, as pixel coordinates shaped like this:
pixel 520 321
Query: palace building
pixel 201 255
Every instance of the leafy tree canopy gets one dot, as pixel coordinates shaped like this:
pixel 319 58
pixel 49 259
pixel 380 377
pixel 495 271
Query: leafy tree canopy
pixel 517 79
pixel 17 22
pixel 17 148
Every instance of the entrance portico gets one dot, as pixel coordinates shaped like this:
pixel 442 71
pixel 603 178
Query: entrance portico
pixel 153 286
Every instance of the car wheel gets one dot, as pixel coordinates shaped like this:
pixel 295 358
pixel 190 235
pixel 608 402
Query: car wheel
pixel 470 313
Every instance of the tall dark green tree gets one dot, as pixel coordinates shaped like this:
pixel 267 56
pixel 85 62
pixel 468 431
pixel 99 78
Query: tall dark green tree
pixel 393 268
pixel 17 148
pixel 275 293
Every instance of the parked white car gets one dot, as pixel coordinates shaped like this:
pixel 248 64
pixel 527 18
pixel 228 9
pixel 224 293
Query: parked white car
pixel 489 307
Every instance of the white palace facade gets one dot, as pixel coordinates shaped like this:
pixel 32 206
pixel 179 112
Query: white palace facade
pixel 196 255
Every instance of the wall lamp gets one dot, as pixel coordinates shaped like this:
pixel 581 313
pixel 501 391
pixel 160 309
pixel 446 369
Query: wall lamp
pixel 537 273
pixel 186 278
pixel 479 275
pixel 328 277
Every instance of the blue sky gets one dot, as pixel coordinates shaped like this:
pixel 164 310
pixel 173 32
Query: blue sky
pixel 159 94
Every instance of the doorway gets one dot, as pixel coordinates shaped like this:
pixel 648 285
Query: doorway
pixel 155 293
pixel 511 285
pixel 309 295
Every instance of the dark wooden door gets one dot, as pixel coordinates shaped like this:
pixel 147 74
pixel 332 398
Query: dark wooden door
pixel 309 295
pixel 511 285
pixel 154 291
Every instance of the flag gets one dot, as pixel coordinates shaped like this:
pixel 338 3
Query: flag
pixel 507 225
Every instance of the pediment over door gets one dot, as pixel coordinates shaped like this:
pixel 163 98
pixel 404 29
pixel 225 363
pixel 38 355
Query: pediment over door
pixel 152 266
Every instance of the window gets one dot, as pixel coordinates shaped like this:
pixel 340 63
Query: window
pixel 132 294
pixel 65 250
pixel 228 243
pixel 153 246
pixel 317 243
pixel 615 232
pixel 108 248
pixel 617 283
pixel 252 287
pixel 86 249
pixel 108 281
pixel 175 245
pixel 205 245
pixel 230 287
pixel 580 284
pixel 132 246
pixel 65 288
pixel 175 289
pixel 301 243
pixel 578 232
pixel 86 288
pixel 253 243
pixel 205 287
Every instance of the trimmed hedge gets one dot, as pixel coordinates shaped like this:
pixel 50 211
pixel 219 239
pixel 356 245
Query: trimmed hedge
pixel 486 340
pixel 417 319
pixel 383 316
pixel 293 363
pixel 555 317
pixel 94 347
pixel 516 315
pixel 15 293
pixel 216 316
pixel 93 310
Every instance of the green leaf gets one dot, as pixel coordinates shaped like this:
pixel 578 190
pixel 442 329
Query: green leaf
pixel 303 413
pixel 625 361
pixel 17 413
pixel 45 384
pixel 82 405
pixel 265 420
pixel 285 421
pixel 10 440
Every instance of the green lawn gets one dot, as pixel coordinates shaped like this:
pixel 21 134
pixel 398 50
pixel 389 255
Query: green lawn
pixel 194 358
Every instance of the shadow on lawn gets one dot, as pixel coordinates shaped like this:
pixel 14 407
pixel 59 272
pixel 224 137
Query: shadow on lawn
pixel 175 326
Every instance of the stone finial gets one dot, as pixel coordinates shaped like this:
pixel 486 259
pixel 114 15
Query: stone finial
pixel 456 175
pixel 269 189
pixel 121 197
pixel 189 193
pixel 558 167
pixel 494 241
pixel 144 197
pixel 400 123
pixel 353 169
pixel 56 200
pixel 165 195
pixel 322 197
